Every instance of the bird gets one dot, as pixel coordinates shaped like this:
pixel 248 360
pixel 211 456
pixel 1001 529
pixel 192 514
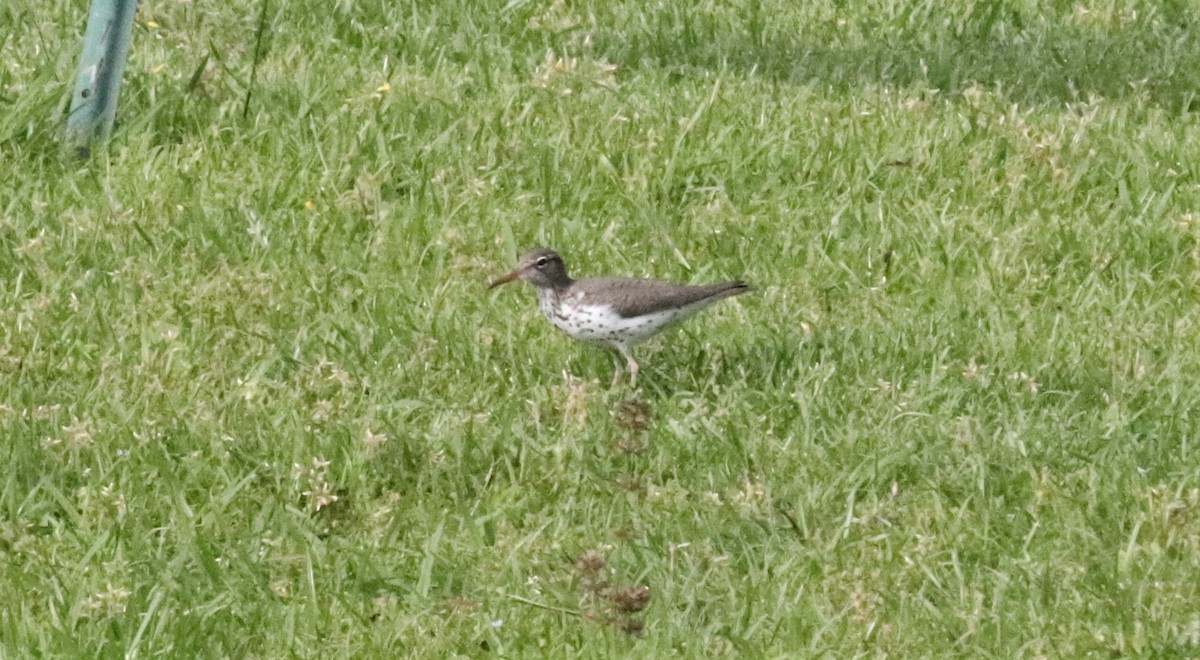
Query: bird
pixel 613 312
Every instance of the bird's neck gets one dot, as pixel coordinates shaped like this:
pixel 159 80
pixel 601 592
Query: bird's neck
pixel 548 302
pixel 559 285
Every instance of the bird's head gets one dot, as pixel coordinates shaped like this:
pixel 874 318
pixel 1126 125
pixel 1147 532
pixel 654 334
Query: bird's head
pixel 540 267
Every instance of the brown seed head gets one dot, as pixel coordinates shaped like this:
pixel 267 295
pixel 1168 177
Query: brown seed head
pixel 634 599
pixel 590 563
pixel 634 415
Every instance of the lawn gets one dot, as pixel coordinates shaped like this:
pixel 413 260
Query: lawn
pixel 257 400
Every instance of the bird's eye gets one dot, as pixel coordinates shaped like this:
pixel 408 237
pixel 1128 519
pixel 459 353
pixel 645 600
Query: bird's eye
pixel 542 262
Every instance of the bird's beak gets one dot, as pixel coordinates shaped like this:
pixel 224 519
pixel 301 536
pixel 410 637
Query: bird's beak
pixel 505 280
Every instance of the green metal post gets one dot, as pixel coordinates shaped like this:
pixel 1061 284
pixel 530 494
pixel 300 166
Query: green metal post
pixel 105 49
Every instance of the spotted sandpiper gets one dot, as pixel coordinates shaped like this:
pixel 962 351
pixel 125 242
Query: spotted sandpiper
pixel 614 312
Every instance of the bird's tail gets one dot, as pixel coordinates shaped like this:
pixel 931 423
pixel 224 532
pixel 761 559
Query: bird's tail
pixel 729 289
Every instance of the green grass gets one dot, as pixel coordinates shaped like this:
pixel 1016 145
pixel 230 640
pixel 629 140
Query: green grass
pixel 958 417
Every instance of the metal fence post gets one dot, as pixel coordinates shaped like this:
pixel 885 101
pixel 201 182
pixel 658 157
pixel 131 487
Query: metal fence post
pixel 105 49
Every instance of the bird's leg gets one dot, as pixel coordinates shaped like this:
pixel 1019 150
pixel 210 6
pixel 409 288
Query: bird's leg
pixel 616 374
pixel 629 364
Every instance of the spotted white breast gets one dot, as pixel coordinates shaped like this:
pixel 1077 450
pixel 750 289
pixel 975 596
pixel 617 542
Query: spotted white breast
pixel 599 323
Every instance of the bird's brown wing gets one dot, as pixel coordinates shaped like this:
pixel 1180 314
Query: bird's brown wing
pixel 635 297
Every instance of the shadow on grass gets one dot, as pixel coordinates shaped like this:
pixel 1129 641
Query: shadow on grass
pixel 1039 58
